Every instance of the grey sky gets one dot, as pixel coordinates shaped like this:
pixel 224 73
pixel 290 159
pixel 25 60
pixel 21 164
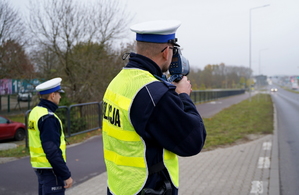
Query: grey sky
pixel 217 31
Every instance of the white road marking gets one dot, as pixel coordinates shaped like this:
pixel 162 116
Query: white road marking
pixel 215 102
pixel 257 187
pixel 267 145
pixel 264 163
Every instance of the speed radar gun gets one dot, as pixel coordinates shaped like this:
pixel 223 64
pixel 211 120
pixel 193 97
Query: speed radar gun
pixel 179 67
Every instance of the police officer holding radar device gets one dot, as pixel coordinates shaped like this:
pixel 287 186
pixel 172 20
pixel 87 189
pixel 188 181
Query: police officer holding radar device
pixel 46 141
pixel 149 121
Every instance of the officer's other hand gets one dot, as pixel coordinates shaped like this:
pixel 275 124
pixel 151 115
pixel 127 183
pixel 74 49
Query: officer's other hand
pixel 68 183
pixel 183 86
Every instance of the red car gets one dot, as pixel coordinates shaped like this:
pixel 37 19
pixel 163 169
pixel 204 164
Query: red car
pixel 10 129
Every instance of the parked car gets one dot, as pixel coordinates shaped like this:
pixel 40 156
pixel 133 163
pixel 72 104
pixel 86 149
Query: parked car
pixel 273 89
pixel 24 96
pixel 11 130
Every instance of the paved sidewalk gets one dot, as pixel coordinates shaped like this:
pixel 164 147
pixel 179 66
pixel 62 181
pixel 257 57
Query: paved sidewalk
pixel 237 170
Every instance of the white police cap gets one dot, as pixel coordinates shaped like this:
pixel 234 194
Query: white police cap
pixel 159 31
pixel 50 86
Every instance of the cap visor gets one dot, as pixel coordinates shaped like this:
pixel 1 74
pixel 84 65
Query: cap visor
pixel 60 91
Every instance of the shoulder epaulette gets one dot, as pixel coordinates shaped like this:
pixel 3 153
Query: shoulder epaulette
pixel 51 113
pixel 164 80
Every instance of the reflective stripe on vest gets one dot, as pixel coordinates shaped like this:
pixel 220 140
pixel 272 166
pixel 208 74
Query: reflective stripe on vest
pixel 124 149
pixel 38 157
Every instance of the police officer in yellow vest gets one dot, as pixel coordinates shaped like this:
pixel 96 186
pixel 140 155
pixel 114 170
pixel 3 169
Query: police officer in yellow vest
pixel 46 141
pixel 147 121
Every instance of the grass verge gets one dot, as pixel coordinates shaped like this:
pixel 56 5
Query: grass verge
pixel 290 90
pixel 231 125
pixel 236 123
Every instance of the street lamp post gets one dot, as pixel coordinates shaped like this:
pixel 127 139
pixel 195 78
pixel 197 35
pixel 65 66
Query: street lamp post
pixel 250 45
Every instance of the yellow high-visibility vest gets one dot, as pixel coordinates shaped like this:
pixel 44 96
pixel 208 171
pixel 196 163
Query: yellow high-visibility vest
pixel 38 157
pixel 124 149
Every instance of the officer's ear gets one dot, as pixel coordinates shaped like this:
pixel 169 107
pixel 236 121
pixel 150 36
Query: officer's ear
pixel 165 53
pixel 51 96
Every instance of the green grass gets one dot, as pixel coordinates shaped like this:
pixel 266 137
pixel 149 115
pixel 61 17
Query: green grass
pixel 17 118
pixel 235 123
pixel 18 152
pixel 228 127
pixel 290 90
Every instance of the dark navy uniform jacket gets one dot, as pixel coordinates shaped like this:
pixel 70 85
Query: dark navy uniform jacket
pixel 50 132
pixel 164 119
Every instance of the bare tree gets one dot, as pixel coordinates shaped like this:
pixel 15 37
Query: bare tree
pixel 45 62
pixel 81 36
pixel 11 25
pixel 111 21
pixel 14 62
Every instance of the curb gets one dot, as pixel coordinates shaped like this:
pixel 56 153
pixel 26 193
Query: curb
pixel 274 188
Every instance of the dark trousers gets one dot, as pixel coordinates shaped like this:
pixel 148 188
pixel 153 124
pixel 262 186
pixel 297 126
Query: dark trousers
pixel 49 183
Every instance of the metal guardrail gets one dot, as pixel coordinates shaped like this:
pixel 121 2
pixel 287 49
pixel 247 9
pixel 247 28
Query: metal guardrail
pixel 200 96
pixel 10 103
pixel 84 117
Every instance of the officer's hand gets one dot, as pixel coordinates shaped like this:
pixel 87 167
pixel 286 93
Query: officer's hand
pixel 68 183
pixel 183 86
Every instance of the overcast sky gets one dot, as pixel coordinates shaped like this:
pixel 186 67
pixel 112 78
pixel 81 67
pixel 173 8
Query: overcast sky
pixel 217 31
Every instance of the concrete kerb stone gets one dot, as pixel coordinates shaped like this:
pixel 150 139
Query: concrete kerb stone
pixel 274 188
pixel 7 159
pixel 6 146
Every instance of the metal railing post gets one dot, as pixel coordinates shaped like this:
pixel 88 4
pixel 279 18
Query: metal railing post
pixel 8 103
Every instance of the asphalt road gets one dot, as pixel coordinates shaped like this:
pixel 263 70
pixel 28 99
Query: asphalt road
pixel 287 106
pixel 85 160
pixel 209 109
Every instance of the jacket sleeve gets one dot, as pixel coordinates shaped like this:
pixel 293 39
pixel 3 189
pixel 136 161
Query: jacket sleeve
pixel 172 121
pixel 50 138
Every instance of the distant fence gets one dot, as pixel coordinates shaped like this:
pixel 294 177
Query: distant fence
pixel 11 104
pixel 200 96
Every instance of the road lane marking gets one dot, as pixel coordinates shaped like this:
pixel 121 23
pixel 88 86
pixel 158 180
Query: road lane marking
pixel 264 163
pixel 215 102
pixel 257 187
pixel 267 145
